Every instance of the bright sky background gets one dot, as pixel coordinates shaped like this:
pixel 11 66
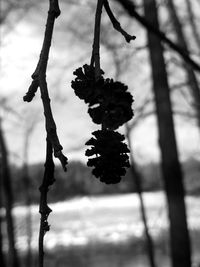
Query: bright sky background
pixel 20 49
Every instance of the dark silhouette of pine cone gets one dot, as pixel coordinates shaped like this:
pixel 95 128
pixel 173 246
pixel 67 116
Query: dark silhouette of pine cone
pixel 111 159
pixel 112 105
pixel 84 85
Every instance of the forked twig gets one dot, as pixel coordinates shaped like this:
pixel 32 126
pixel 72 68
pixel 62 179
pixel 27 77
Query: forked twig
pixel 95 59
pixel 53 144
pixel 39 80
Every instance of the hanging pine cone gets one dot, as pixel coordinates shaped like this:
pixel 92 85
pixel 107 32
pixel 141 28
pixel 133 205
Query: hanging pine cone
pixel 112 105
pixel 111 158
pixel 109 102
pixel 84 85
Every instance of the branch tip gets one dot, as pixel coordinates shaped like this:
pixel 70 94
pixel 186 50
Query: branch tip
pixel 116 24
pixel 63 159
pixel 31 91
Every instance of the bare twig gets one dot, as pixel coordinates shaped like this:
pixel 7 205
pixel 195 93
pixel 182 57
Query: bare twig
pixel 31 90
pixel 53 144
pixel 44 210
pixel 116 23
pixel 39 80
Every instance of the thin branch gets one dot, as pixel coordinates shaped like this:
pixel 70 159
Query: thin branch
pixel 140 118
pixel 130 8
pixel 39 79
pixel 146 114
pixel 184 114
pixel 191 17
pixel 187 100
pixel 116 23
pixel 52 141
pixel 178 86
pixel 95 51
pixel 31 91
pixel 141 112
pixel 44 210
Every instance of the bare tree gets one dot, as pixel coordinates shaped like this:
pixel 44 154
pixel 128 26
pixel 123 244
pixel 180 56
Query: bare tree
pixel 171 169
pixel 7 186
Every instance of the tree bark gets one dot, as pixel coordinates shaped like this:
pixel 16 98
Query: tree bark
pixel 171 169
pixel 192 80
pixel 5 173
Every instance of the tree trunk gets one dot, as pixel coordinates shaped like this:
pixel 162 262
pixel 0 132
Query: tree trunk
pixel 171 169
pixel 27 187
pixel 137 178
pixel 2 258
pixel 5 173
pixel 192 80
pixel 137 181
pixel 26 183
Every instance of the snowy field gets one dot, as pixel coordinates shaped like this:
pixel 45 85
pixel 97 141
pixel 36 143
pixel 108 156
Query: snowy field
pixel 114 219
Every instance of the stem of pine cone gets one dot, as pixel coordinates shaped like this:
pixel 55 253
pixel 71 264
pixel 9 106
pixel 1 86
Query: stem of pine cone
pixel 96 43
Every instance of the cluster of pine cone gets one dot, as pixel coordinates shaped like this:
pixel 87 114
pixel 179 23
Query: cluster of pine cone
pixel 109 104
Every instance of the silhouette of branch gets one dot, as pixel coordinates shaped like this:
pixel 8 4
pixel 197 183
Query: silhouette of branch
pixel 95 51
pixel 130 8
pixel 44 210
pixel 53 144
pixel 116 23
pixel 39 80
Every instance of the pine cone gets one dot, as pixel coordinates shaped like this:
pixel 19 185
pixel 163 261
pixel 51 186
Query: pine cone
pixel 111 158
pixel 84 85
pixel 112 105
